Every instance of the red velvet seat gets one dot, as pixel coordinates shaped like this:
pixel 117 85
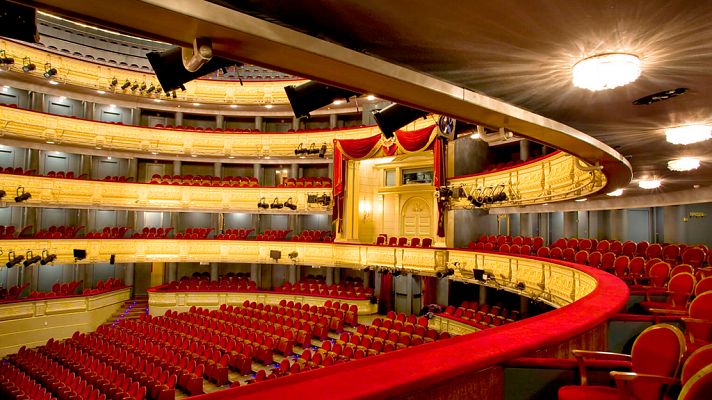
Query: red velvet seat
pixel 657 351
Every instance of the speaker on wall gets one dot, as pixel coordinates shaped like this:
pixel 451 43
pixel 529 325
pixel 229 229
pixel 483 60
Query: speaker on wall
pixel 80 254
pixel 112 259
pixel 275 254
pixel 311 96
pixel 396 116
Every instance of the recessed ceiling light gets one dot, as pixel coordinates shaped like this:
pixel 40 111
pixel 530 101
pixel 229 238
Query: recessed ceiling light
pixel 268 105
pixel 101 92
pixel 112 106
pixel 155 153
pixel 606 71
pixel 196 104
pixel 53 83
pixel 476 136
pixel 108 158
pixel 50 142
pixel 62 98
pixel 581 200
pixel 302 157
pixel 649 183
pixel 6 87
pixel 695 186
pixel 231 157
pixel 194 155
pixel 370 97
pixel 688 134
pixel 337 102
pixel 615 193
pixel 233 105
pixel 684 164
pixel 267 157
pixel 545 204
pixel 157 100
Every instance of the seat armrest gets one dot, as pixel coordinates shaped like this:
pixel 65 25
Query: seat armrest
pixel 582 355
pixel 623 378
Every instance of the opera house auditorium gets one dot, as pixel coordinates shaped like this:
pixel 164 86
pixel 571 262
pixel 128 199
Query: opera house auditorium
pixel 223 199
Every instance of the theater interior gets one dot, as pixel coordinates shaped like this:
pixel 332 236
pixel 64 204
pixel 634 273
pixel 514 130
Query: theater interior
pixel 223 199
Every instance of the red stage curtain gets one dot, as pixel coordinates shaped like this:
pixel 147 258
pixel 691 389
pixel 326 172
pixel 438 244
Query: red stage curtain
pixel 386 297
pixel 356 149
pixel 415 141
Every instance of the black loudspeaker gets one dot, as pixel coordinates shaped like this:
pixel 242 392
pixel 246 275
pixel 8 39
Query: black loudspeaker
pixel 312 96
pixel 275 254
pixel 80 254
pixel 18 22
pixel 112 259
pixel 396 116
pixel 479 274
pixel 171 73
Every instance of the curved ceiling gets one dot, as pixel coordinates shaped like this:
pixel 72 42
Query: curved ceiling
pixel 522 53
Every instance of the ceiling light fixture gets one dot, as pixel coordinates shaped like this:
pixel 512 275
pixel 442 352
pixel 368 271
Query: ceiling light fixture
pixel 684 164
pixel 157 100
pixel 101 92
pixel 581 200
pixel 268 105
pixel 476 136
pixel 688 134
pixel 606 71
pixel 615 193
pixel 233 105
pixel 196 104
pixel 370 97
pixel 338 102
pixel 649 184
pixel 53 83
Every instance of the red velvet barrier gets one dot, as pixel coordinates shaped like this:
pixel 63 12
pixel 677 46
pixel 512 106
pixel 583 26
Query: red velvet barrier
pixel 438 363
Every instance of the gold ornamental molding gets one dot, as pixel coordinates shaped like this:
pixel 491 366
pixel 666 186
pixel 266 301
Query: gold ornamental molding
pixel 78 193
pixel 32 126
pixel 558 176
pixel 89 75
pixel 542 280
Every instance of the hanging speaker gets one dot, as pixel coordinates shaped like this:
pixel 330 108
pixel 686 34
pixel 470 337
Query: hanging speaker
pixel 396 116
pixel 18 21
pixel 169 69
pixel 312 96
pixel 80 254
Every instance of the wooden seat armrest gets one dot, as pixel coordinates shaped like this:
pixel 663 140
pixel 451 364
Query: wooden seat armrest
pixel 582 355
pixel 667 311
pixel 623 378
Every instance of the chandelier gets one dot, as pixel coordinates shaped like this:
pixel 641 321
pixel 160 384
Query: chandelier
pixel 684 164
pixel 688 134
pixel 606 71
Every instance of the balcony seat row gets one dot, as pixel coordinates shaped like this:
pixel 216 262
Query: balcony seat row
pixel 320 182
pixel 205 180
pixel 384 240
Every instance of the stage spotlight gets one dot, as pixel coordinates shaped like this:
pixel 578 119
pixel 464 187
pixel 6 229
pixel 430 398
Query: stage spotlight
pixel 312 150
pixel 4 59
pixel 290 205
pixel 134 86
pixel 31 259
pixel 22 195
pixel 312 96
pixel 151 88
pixel 276 204
pixel 396 272
pixel 521 286
pixel 142 87
pixel 79 254
pixel 300 150
pixel 13 260
pixel 18 21
pixel 47 258
pixel 27 65
pixel 322 151
pixel 2 193
pixel 262 203
pixel 49 71
pixel 113 83
pixel 396 116
pixel 444 272
pixel 177 66
pixel 125 85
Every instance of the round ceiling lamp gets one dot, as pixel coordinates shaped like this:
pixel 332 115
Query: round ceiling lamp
pixel 606 71
pixel 688 134
pixel 684 164
pixel 615 193
pixel 649 184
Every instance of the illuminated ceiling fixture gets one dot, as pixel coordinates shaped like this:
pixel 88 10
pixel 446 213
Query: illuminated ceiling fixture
pixel 581 200
pixel 268 105
pixel 615 193
pixel 688 134
pixel 649 183
pixel 476 136
pixel 101 92
pixel 233 105
pixel 338 102
pixel 684 164
pixel 196 104
pixel 606 71
pixel 370 97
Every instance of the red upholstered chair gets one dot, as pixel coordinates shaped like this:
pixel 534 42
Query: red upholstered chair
pixel 537 243
pixel 620 266
pixel 526 250
pixel 543 252
pixel 636 268
pixel 640 248
pixel 698 323
pixel 393 241
pixel 381 240
pixel 560 243
pixel 568 254
pixel 504 248
pixel 415 242
pixel 693 256
pixel 515 249
pixel 703 285
pixel 594 259
pixel 603 246
pixel 670 254
pixel 585 244
pixel 572 244
pixel 655 250
pixel 402 241
pixel 607 261
pixel 427 242
pixel 657 351
pixel 679 290
pixel 680 268
pixel 699 386
pixel 629 248
pixel 556 253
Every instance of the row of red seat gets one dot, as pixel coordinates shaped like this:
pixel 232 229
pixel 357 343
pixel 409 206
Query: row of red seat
pixel 314 236
pixel 403 241
pixel 194 233
pixel 204 180
pixel 224 285
pixel 320 182
pixel 235 234
pixel 201 129
pixel 482 316
pixel 273 234
pixel 319 319
pixel 16 384
pixel 58 289
pixel 13 293
pixel 58 232
pixel 109 232
pixel 322 289
pixel 152 233
pixel 345 311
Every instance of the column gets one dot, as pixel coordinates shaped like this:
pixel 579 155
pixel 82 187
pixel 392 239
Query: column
pixel 295 123
pixel 220 121
pixel 132 169
pixel 171 272
pixel 377 285
pixel 524 306
pixel 332 121
pixel 337 275
pixel 85 165
pixel 88 275
pixel 331 170
pixel 329 276
pixel 292 274
pixel 217 169
pixel 32 160
pixel 214 271
pixel 292 222
pixel 88 110
pixel 84 220
pixel 257 172
pixel 175 221
pixel 176 167
pixel 256 274
pixel 409 294
pixel 570 224
pixel 483 295
pixel 179 118
pixel 136 116
pixel 129 270
pixel 35 277
pixel 366 279
pixel 524 149
pixel 525 225
pixel 258 122
pixel 295 171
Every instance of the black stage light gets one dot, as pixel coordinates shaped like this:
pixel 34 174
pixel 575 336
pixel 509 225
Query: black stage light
pixel 322 151
pixel 445 272
pixel 479 274
pixel 396 272
pixel 22 195
pixel 31 259
pixel 151 88
pixel 79 254
pixel 300 150
pixel 47 258
pixel 4 59
pixel 276 204
pixel 18 21
pixel 134 86
pixel 112 259
pixel 312 96
pixel 521 286
pixel 142 87
pixel 113 82
pixel 290 205
pixel 13 260
pixel 125 85
pixel 396 116
pixel 49 71
pixel 2 193
pixel 27 65
pixel 312 150
pixel 177 66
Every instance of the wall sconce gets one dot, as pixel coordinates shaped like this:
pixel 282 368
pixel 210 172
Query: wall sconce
pixel 364 208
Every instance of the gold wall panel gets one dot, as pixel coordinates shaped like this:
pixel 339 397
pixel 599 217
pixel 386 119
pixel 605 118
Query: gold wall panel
pixel 557 177
pixel 450 326
pixel 97 76
pixel 76 193
pixel 160 302
pixel 545 281
pixel 33 322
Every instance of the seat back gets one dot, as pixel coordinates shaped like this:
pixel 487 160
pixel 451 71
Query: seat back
pixel 703 285
pixel 699 359
pixel 699 386
pixel 657 351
